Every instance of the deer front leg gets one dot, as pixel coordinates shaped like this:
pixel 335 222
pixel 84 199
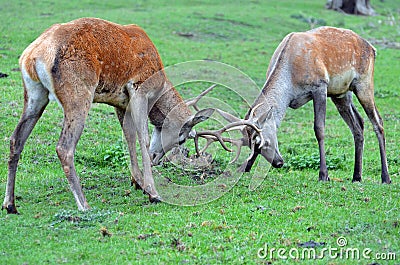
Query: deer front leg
pixel 319 101
pixel 128 127
pixel 139 110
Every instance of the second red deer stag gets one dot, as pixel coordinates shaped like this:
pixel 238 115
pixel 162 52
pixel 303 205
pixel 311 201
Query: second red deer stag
pixel 324 62
pixel 92 60
pixel 313 65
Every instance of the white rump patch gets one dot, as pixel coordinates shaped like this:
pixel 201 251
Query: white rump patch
pixel 46 80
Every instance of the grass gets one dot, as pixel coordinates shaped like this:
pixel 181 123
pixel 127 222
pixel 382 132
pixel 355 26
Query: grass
pixel 289 207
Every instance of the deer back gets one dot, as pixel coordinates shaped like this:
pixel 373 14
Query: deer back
pixel 95 54
pixel 326 54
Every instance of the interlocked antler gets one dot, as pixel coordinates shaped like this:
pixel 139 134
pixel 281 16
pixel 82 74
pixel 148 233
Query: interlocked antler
pixel 235 124
pixel 210 139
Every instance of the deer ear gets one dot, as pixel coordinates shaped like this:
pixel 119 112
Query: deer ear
pixel 200 116
pixel 265 116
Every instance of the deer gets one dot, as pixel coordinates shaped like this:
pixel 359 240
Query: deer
pixel 90 60
pixel 312 66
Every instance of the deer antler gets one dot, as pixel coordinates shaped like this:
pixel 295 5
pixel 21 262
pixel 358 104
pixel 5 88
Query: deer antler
pixel 210 139
pixel 193 102
pixel 231 126
pixel 235 123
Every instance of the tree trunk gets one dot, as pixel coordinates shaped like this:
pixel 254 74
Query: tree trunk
pixel 356 7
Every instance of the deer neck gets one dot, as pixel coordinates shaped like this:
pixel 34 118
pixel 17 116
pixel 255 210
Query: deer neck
pixel 275 96
pixel 169 105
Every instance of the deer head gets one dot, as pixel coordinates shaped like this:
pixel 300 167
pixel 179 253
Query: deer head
pixel 259 134
pixel 169 135
pixel 268 147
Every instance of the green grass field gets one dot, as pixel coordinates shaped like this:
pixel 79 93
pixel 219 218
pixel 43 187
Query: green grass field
pixel 290 210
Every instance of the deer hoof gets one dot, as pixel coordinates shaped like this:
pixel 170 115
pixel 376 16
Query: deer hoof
pixel 135 183
pixel 11 209
pixel 137 186
pixel 387 181
pixel 323 175
pixel 324 178
pixel 155 199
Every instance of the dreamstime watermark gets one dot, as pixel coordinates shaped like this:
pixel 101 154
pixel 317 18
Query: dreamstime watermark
pixel 241 88
pixel 340 251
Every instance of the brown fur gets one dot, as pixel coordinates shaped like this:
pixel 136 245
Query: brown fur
pixel 109 54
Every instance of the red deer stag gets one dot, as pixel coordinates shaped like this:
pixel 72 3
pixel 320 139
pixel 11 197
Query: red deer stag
pixel 313 65
pixel 92 60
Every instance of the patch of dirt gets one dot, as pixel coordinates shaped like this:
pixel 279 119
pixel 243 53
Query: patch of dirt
pixel 145 236
pixel 198 168
pixel 184 34
pixel 221 18
pixel 180 155
pixel 311 244
pixel 217 27
pixel 385 43
pixel 231 21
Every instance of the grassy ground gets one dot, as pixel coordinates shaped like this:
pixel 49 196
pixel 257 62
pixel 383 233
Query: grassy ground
pixel 289 208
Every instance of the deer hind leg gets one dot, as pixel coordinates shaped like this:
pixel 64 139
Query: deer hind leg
pixel 355 122
pixel 76 108
pixel 365 94
pixel 139 105
pixel 128 127
pixel 319 101
pixel 36 100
